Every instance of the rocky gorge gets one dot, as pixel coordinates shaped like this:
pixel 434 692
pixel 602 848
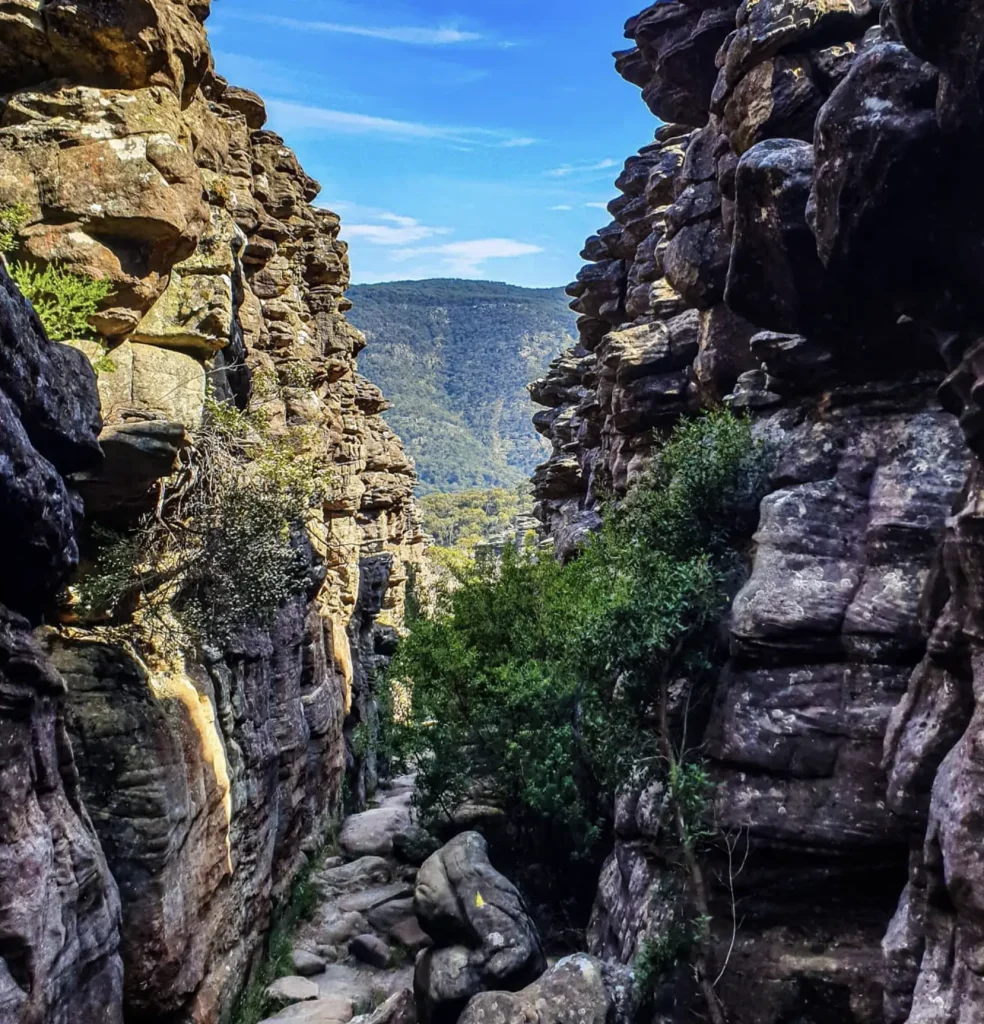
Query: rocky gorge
pixel 800 242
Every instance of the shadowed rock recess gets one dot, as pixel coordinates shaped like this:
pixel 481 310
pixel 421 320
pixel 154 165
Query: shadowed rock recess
pixel 802 240
pixel 152 814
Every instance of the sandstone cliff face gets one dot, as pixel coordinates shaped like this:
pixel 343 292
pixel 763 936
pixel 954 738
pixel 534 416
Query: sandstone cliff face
pixel 802 241
pixel 202 774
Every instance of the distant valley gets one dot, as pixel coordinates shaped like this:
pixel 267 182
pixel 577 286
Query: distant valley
pixel 454 357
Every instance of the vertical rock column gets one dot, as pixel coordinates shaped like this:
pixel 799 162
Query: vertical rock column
pixel 59 906
pixel 808 149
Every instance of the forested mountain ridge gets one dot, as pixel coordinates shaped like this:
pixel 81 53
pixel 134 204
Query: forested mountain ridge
pixel 455 358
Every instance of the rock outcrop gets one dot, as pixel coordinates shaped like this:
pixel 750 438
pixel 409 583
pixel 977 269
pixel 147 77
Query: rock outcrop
pixel 59 905
pixel 803 242
pixel 576 990
pixel 484 938
pixel 129 159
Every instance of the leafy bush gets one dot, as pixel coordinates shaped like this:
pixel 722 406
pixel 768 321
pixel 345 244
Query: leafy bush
pixel 63 301
pixel 12 219
pixel 538 687
pixel 656 958
pixel 225 547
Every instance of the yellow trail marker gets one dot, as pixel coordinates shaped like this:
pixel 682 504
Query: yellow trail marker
pixel 479 902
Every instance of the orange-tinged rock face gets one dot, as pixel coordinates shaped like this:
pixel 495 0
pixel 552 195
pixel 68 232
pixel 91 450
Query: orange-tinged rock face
pixel 114 175
pixel 124 43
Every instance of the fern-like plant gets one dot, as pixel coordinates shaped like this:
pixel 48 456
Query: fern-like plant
pixel 63 300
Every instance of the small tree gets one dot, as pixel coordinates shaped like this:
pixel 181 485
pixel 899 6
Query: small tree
pixel 223 549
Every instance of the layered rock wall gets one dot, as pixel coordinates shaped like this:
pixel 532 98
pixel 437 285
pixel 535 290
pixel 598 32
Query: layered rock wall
pixel 59 905
pixel 802 241
pixel 128 158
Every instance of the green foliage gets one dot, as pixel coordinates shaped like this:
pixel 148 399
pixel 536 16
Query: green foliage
pixel 226 549
pixel 454 358
pixel 116 569
pixel 656 958
pixel 690 792
pixel 12 219
pixel 361 739
pixel 63 301
pixel 535 683
pixel 463 519
pixel 296 375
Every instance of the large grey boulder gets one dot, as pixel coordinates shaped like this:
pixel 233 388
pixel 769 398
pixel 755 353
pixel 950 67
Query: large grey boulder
pixel 483 933
pixel 372 833
pixel 330 1010
pixel 577 990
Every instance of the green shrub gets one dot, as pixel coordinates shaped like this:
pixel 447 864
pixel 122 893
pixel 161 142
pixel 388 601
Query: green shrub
pixel 655 960
pixel 63 301
pixel 12 219
pixel 536 685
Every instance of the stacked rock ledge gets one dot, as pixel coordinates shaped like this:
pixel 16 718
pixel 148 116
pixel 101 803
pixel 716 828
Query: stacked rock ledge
pixel 801 240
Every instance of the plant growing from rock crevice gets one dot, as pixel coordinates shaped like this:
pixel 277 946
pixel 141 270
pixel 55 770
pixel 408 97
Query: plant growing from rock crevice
pixel 225 545
pixel 12 219
pixel 64 301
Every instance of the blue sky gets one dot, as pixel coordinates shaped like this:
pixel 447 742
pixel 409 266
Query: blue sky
pixel 476 138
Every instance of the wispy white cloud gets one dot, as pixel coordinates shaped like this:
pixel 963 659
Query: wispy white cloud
pixel 445 35
pixel 522 141
pixel 289 116
pixel 597 206
pixel 561 207
pixel 575 169
pixel 397 230
pixel 466 258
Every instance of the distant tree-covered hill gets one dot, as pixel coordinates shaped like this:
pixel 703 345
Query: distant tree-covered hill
pixel 454 358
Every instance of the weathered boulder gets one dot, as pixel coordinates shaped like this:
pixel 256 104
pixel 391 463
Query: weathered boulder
pixel 775 277
pixel 574 991
pixel 307 964
pixel 372 833
pixel 292 989
pixel 316 1011
pixel 484 937
pixel 372 950
pixel 398 1009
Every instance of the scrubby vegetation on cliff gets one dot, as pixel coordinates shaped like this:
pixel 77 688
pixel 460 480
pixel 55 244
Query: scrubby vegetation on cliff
pixel 224 547
pixel 63 301
pixel 541 688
